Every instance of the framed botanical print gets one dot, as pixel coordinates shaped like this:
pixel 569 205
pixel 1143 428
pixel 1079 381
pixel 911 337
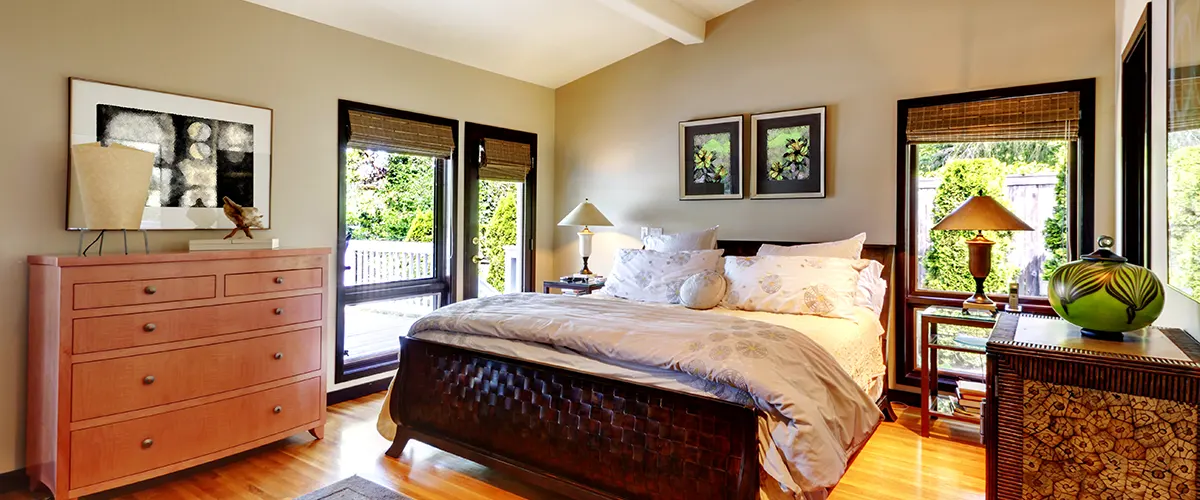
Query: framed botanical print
pixel 204 152
pixel 710 159
pixel 787 154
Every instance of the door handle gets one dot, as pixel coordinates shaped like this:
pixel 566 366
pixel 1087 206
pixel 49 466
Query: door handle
pixel 476 259
pixel 475 240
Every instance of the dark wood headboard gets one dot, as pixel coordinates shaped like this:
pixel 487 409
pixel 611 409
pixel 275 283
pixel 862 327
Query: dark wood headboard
pixel 884 254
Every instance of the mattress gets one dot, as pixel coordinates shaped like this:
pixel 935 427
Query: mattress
pixel 854 344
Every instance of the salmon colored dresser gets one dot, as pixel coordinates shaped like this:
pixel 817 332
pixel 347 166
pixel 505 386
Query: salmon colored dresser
pixel 142 365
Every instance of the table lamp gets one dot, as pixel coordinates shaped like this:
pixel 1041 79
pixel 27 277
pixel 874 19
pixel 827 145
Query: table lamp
pixel 981 213
pixel 586 214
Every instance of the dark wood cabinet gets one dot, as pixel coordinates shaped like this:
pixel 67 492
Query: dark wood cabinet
pixel 1073 417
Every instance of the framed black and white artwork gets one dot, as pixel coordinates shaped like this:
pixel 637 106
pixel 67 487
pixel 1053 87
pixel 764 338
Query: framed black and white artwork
pixel 710 159
pixel 204 151
pixel 787 154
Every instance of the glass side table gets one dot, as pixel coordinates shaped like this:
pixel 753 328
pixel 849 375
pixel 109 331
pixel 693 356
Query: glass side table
pixel 980 325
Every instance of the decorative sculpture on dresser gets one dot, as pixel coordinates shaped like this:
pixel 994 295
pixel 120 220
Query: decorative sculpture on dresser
pixel 243 218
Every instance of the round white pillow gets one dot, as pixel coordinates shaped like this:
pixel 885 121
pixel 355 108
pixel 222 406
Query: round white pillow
pixel 703 290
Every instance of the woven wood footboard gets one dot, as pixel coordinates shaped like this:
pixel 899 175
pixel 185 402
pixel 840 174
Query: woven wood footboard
pixel 575 434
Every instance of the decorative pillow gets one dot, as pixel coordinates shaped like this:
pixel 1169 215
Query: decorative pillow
pixel 682 242
pixel 822 286
pixel 845 249
pixel 653 276
pixel 872 288
pixel 703 291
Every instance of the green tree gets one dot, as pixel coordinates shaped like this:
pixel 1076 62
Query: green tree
pixel 932 157
pixel 1183 218
pixel 1055 231
pixel 385 192
pixel 421 228
pixel 500 231
pixel 946 262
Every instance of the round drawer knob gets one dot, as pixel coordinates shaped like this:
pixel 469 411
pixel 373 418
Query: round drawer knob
pixel 279 280
pixel 279 355
pixel 278 311
pixel 150 327
pixel 148 380
pixel 146 443
pixel 278 409
pixel 151 290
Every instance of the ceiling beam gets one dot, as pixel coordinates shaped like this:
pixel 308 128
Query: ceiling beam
pixel 663 16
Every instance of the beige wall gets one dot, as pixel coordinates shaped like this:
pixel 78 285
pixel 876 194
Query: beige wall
pixel 617 128
pixel 221 49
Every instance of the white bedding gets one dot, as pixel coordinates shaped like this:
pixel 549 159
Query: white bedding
pixel 853 343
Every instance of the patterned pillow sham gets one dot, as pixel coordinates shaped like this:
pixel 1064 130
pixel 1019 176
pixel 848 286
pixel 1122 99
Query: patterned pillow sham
pixel 653 276
pixel 822 286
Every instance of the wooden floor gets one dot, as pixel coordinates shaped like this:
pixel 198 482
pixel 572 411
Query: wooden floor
pixel 896 464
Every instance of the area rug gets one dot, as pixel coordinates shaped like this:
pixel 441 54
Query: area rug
pixel 354 488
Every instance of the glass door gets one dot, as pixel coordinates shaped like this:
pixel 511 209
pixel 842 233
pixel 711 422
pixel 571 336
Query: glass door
pixel 500 185
pixel 393 250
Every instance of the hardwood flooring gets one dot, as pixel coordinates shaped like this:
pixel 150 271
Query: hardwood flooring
pixel 895 464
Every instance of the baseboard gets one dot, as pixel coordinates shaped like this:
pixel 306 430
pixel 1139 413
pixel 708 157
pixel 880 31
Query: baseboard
pixel 358 391
pixel 905 397
pixel 13 480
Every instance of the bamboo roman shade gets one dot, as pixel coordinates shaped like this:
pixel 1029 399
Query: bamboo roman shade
pixel 1185 104
pixel 505 161
pixel 397 135
pixel 1037 117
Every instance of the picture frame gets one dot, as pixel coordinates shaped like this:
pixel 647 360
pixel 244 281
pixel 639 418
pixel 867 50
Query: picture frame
pixel 787 154
pixel 716 144
pixel 204 150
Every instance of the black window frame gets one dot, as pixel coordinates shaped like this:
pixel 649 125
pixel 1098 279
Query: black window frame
pixel 474 134
pixel 1081 195
pixel 442 284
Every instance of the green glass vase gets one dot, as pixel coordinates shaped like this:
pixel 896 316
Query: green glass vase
pixel 1106 295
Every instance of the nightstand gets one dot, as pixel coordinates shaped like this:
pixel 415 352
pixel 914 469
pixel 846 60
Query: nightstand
pixel 581 288
pixel 973 324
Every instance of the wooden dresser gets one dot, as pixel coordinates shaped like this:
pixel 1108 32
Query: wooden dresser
pixel 1073 417
pixel 141 365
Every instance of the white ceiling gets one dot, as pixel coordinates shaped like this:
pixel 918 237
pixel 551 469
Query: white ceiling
pixel 546 42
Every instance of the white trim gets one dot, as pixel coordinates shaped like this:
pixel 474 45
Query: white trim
pixel 753 178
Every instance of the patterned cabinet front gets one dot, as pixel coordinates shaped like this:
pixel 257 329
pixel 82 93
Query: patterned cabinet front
pixel 1073 417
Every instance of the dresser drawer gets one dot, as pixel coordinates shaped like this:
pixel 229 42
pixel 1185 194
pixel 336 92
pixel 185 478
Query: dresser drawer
pixel 272 281
pixel 132 330
pixel 123 384
pixel 128 293
pixel 111 451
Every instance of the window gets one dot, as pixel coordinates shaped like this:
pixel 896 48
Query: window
pixel 395 223
pixel 1183 149
pixel 500 187
pixel 1028 147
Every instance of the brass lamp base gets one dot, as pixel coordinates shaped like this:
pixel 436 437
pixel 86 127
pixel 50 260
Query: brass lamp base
pixel 979 252
pixel 585 269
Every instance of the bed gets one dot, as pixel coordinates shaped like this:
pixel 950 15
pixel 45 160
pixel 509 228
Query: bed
pixel 586 423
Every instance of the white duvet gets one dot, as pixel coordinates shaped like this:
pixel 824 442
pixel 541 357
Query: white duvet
pixel 815 411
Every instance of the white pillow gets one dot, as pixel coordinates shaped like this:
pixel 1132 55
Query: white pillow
pixel 682 242
pixel 822 286
pixel 872 288
pixel 653 276
pixel 703 291
pixel 845 249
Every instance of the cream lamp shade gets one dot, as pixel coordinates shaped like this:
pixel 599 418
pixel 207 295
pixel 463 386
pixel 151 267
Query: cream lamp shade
pixel 981 213
pixel 586 214
pixel 112 183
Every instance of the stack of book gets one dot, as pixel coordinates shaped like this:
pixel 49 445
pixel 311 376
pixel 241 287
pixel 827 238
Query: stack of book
pixel 574 293
pixel 970 398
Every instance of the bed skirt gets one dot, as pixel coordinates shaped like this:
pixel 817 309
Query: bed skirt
pixel 576 434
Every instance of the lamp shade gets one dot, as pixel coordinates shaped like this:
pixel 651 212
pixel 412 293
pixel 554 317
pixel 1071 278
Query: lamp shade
pixel 982 213
pixel 586 214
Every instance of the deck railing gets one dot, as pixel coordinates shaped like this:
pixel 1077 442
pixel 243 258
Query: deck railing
pixel 370 262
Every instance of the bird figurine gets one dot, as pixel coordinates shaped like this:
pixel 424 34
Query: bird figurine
pixel 243 218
